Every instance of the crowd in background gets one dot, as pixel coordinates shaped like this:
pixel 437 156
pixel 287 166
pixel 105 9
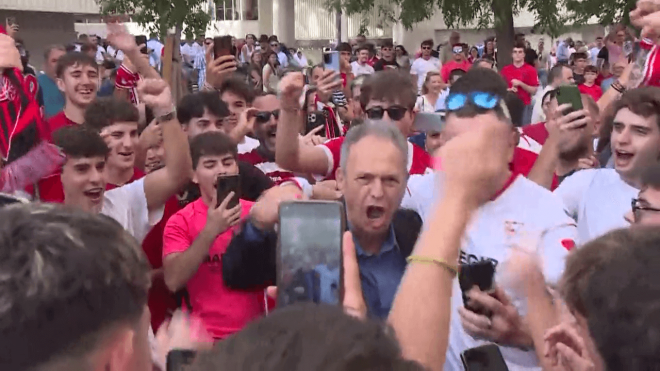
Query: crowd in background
pixel 116 253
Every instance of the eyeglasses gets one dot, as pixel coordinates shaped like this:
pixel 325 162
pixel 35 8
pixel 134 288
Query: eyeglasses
pixel 637 208
pixel 482 100
pixel 395 113
pixel 264 116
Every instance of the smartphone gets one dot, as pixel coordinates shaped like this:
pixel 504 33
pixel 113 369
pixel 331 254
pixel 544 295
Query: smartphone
pixel 484 358
pixel 226 184
pixel 142 40
pixel 569 94
pixel 314 120
pixel 426 122
pixel 309 252
pixel 179 359
pixel 221 46
pixel 480 274
pixel 331 60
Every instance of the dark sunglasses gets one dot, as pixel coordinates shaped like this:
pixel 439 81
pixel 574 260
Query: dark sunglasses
pixel 637 208
pixel 264 116
pixel 395 113
pixel 426 48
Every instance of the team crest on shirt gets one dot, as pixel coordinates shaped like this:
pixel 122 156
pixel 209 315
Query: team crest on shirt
pixel 512 228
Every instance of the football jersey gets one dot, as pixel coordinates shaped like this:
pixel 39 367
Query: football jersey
pixel 522 212
pixel 267 166
pixel 419 161
pixel 597 199
pixel 652 66
pixel 127 79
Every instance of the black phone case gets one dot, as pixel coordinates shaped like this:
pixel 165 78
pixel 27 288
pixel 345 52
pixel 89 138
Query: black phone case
pixel 314 120
pixel 480 274
pixel 226 184
pixel 222 46
pixel 484 358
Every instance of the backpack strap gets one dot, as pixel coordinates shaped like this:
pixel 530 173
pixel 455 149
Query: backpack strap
pixel 407 226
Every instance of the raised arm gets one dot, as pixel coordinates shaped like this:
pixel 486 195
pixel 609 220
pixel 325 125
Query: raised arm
pixel 289 154
pixel 121 39
pixel 162 184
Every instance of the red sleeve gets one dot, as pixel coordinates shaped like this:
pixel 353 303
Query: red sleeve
pixel 125 79
pixel 583 89
pixel 332 149
pixel 176 237
pixel 531 77
pixel 444 73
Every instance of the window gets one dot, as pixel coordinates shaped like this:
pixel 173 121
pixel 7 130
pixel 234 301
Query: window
pixel 237 10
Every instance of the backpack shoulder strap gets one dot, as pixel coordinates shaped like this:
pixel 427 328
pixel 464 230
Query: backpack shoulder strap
pixel 407 225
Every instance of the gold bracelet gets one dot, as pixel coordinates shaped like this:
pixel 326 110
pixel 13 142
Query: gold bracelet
pixel 453 269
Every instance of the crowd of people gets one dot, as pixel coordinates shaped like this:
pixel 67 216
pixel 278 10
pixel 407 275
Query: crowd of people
pixel 116 253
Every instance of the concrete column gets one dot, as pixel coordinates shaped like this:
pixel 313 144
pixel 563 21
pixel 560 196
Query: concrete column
pixel 284 26
pixel 265 17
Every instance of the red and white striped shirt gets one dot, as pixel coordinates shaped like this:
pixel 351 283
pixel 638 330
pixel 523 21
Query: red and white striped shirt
pixel 652 65
pixel 268 167
pixel 127 79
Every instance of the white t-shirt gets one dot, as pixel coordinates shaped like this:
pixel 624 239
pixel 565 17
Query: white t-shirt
pixel 537 111
pixel 361 70
pixel 523 209
pixel 421 67
pixel 99 54
pixel 247 145
pixel 128 206
pixel 597 199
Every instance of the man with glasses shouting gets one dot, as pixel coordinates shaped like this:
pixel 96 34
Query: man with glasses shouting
pixel 379 100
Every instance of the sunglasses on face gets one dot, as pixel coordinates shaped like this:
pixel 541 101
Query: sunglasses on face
pixel 482 100
pixel 264 116
pixel 395 113
pixel 426 48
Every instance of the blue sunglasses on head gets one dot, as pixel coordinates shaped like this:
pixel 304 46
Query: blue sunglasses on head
pixel 483 100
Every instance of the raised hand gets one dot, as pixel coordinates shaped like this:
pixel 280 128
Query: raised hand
pixel 182 332
pixel 120 38
pixel 218 69
pixel 474 162
pixel 156 94
pixel 328 83
pixel 567 350
pixel 9 55
pixel 220 218
pixel 291 88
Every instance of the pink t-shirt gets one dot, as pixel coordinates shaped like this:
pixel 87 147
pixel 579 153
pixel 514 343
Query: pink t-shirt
pixel 526 74
pixel 223 311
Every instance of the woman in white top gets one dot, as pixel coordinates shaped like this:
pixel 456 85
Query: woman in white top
pixel 248 48
pixel 430 92
pixel 271 72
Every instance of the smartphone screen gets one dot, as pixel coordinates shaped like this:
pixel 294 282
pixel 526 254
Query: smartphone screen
pixel 226 184
pixel 569 94
pixel 331 60
pixel 484 358
pixel 221 46
pixel 309 256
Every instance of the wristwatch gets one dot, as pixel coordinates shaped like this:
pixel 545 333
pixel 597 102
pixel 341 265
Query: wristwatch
pixel 167 117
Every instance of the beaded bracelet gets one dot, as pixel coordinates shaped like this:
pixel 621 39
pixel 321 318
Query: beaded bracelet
pixel 453 269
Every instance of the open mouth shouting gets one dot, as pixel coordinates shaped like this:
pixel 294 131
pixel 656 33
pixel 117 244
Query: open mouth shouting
pixel 86 92
pixel 622 158
pixel 95 194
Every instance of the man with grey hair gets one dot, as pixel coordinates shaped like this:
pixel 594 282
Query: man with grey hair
pixel 373 183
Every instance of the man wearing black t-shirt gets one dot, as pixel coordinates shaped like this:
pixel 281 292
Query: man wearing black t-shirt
pixel 388 59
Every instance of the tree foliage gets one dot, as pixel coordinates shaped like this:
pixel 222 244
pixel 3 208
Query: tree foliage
pixel 159 16
pixel 551 16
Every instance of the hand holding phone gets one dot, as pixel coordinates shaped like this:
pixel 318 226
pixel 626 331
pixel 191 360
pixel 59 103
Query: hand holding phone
pixel 484 358
pixel 222 46
pixel 221 218
pixel 480 274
